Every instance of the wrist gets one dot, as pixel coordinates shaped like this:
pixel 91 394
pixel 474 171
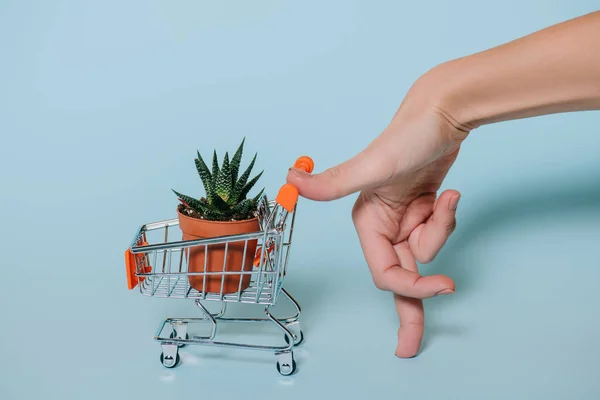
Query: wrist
pixel 439 90
pixel 451 90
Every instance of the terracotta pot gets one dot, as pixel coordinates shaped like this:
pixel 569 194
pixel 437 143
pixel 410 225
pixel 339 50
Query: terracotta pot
pixel 194 228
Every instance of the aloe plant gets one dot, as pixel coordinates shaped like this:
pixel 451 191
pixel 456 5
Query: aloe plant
pixel 226 193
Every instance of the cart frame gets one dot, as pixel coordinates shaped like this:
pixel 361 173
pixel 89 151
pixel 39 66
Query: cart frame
pixel 159 269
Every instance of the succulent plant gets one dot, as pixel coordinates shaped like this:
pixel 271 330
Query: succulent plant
pixel 226 193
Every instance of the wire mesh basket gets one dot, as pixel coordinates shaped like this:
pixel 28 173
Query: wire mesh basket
pixel 247 268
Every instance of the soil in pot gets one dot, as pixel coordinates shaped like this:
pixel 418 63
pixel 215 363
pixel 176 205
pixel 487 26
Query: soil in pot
pixel 194 228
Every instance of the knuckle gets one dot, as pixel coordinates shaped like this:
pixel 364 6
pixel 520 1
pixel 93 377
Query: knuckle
pixel 355 220
pixel 356 209
pixel 416 322
pixel 354 213
pixel 452 225
pixel 426 258
pixel 379 281
pixel 334 172
pixel 427 255
pixel 330 183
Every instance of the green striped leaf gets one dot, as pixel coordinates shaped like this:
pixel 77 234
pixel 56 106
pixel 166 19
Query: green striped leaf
pixel 239 186
pixel 192 202
pixel 235 163
pixel 244 207
pixel 248 187
pixel 223 185
pixel 205 176
pixel 256 198
pixel 220 204
pixel 215 168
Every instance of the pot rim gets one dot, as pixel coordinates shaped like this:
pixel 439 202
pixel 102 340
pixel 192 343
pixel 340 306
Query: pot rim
pixel 243 221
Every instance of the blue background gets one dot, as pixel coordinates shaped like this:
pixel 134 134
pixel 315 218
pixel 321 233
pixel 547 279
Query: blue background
pixel 102 107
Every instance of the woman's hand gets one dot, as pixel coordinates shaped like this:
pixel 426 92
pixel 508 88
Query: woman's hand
pixel 397 216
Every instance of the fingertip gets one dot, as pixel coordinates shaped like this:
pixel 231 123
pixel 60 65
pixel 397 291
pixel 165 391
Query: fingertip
pixel 450 193
pixel 405 351
pixel 440 284
pixel 453 203
pixel 447 283
pixel 305 184
pixel 430 286
pixel 447 200
pixel 325 186
pixel 295 177
pixel 409 341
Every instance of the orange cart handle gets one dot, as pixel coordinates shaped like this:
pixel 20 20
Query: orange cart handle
pixel 288 194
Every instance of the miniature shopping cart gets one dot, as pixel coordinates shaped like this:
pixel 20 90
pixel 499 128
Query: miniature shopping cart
pixel 157 262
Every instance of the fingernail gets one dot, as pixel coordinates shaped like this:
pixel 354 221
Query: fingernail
pixel 445 291
pixel 299 173
pixel 454 202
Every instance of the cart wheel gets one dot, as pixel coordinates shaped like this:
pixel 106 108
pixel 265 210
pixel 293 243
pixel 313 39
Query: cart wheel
pixel 297 342
pixel 168 361
pixel 286 369
pixel 172 335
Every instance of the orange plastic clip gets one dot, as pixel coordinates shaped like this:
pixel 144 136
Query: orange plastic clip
pixel 131 262
pixel 288 194
pixel 265 254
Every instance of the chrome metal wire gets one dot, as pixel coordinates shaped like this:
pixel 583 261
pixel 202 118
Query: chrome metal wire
pixel 169 259
pixel 163 270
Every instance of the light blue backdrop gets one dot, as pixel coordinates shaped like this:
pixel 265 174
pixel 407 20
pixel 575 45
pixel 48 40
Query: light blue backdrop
pixel 102 106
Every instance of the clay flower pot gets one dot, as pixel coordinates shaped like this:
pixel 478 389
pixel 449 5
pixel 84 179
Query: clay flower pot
pixel 194 228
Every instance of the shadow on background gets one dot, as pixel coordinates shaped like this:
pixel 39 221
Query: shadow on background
pixel 537 204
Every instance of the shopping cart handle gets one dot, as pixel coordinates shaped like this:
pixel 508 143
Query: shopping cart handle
pixel 288 194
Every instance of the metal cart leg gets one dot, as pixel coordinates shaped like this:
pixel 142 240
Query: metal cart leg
pixel 209 317
pixel 179 336
pixel 286 365
pixel 179 331
pixel 222 312
pixel 293 324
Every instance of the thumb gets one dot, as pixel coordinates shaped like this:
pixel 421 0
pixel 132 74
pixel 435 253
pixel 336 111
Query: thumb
pixel 358 173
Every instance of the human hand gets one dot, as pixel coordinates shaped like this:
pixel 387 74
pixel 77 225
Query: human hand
pixel 397 216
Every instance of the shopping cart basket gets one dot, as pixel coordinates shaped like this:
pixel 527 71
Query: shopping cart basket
pixel 158 265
